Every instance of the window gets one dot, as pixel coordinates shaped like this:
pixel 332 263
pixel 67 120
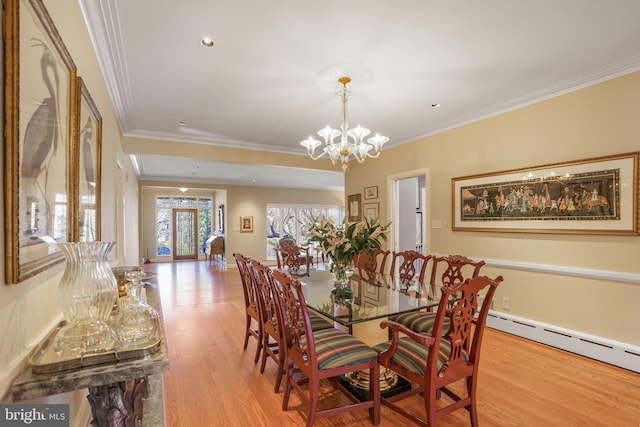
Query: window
pixel 286 220
pixel 59 217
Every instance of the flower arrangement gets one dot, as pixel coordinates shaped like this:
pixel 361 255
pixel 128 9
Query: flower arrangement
pixel 342 243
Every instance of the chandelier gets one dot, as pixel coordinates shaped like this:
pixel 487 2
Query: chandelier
pixel 351 143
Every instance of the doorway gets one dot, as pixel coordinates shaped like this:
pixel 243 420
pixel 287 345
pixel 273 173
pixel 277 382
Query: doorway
pixel 408 211
pixel 185 234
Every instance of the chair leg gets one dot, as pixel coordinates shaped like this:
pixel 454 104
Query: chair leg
pixel 287 386
pixel 265 346
pixel 473 411
pixel 281 371
pixel 374 392
pixel 314 392
pixel 258 347
pixel 247 332
pixel 430 406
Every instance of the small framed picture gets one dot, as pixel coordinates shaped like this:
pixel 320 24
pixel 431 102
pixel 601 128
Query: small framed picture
pixel 353 206
pixel 370 192
pixel 371 210
pixel 246 223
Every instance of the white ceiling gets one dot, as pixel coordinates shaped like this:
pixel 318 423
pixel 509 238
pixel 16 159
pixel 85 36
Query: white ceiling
pixel 256 88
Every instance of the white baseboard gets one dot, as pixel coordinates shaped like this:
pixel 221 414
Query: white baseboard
pixel 605 350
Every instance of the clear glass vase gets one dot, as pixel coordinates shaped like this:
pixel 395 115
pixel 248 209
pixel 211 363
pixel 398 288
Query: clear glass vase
pixel 341 271
pixel 87 296
pixel 341 274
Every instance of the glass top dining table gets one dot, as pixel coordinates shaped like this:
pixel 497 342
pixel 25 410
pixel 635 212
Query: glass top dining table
pixel 375 296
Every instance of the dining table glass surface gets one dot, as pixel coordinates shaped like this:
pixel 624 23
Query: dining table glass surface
pixel 375 296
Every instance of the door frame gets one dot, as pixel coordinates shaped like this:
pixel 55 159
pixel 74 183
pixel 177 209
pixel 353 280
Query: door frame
pixel 393 207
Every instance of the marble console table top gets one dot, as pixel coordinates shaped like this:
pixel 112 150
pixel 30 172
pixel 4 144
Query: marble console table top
pixel 31 386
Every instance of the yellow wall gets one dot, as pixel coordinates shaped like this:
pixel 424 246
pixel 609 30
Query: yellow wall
pixel 596 121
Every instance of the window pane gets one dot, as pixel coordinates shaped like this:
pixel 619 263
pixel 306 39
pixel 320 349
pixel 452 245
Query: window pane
pixel 163 231
pixel 301 215
pixel 204 227
pixel 163 202
pixel 185 202
pixel 274 230
pixel 205 203
pixel 289 222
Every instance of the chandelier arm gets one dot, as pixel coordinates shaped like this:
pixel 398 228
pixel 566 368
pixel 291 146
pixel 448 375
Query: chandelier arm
pixel 373 156
pixel 319 156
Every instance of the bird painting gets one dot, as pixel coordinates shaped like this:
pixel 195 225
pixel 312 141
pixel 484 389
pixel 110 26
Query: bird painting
pixel 86 134
pixel 41 139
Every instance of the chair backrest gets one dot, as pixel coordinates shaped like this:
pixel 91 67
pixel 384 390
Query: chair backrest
pixel 409 265
pixel 296 322
pixel 251 302
pixel 294 257
pixel 375 262
pixel 453 269
pixel 263 278
pixel 460 303
pixel 287 241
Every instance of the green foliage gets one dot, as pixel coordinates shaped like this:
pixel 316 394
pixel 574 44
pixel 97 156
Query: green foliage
pixel 345 241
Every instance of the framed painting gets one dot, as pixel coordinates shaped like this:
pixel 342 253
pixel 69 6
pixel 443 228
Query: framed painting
pixel 221 218
pixel 89 167
pixel 40 114
pixel 590 196
pixel 370 193
pixel 246 224
pixel 371 210
pixel 353 205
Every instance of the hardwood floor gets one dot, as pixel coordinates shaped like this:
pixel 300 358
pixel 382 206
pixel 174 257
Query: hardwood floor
pixel 213 382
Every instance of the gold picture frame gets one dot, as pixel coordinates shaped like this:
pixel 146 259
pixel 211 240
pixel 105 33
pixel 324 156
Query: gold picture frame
pixel 87 182
pixel 370 193
pixel 590 196
pixel 354 207
pixel 246 223
pixel 40 114
pixel 371 211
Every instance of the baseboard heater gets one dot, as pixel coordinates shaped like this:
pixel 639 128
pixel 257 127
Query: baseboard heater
pixel 612 352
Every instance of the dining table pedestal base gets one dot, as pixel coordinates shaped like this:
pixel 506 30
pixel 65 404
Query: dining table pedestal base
pixel 390 383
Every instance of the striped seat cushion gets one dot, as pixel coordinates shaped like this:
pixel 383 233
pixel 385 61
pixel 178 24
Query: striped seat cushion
pixel 413 356
pixel 335 348
pixel 419 321
pixel 318 322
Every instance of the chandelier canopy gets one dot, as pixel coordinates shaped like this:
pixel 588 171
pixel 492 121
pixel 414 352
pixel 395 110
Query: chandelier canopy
pixel 351 143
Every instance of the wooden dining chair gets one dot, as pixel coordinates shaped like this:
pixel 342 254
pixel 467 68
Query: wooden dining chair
pixel 295 259
pixel 251 304
pixel 272 332
pixel 273 342
pixel 432 362
pixel 445 270
pixel 324 354
pixel 374 262
pixel 409 265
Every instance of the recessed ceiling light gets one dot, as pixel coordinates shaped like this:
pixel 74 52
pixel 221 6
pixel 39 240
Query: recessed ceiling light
pixel 435 105
pixel 206 42
pixel 181 123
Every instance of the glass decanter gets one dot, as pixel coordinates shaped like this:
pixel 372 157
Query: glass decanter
pixel 137 321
